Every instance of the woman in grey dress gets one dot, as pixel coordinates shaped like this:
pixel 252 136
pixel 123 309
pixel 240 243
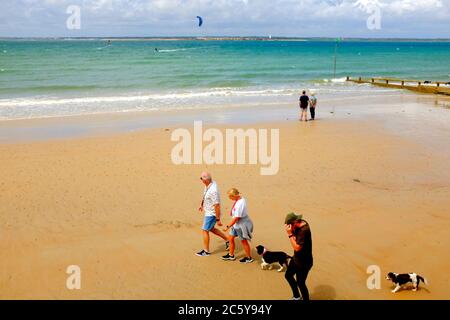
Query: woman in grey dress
pixel 240 226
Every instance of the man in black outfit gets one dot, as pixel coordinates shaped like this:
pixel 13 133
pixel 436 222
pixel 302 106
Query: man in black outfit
pixel 304 101
pixel 302 261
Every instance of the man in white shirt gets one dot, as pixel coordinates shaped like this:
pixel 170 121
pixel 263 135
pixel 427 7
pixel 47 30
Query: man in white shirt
pixel 210 205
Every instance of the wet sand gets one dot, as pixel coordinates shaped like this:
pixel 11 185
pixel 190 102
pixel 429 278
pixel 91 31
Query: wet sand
pixel 388 107
pixel 374 188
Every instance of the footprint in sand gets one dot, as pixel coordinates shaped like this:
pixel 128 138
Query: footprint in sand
pixel 427 186
pixel 165 225
pixel 372 185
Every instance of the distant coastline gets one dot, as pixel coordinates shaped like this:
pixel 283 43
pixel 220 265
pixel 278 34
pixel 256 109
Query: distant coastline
pixel 231 38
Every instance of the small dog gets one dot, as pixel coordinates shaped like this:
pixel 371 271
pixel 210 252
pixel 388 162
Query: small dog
pixel 401 279
pixel 269 257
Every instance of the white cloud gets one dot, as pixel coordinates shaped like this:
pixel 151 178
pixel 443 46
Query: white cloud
pixel 229 17
pixel 402 6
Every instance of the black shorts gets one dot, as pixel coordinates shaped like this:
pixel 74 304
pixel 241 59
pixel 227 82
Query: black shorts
pixel 304 107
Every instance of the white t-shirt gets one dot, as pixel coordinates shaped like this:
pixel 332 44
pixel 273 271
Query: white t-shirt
pixel 211 197
pixel 240 210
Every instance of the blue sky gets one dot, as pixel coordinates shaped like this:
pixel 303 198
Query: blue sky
pixel 301 18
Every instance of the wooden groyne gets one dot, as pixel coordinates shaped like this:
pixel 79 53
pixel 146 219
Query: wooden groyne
pixel 423 86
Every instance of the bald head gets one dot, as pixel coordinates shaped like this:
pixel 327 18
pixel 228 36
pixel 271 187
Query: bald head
pixel 206 176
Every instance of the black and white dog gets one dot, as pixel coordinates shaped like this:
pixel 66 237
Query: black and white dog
pixel 269 257
pixel 401 279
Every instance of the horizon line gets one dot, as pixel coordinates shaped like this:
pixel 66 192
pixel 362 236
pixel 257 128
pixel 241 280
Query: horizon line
pixel 226 38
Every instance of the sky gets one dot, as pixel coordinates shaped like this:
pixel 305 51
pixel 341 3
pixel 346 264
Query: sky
pixel 287 18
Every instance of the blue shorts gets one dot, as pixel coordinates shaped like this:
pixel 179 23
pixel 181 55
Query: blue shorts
pixel 208 223
pixel 233 232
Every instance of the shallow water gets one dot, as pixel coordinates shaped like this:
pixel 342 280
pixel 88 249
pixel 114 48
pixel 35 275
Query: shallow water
pixel 55 78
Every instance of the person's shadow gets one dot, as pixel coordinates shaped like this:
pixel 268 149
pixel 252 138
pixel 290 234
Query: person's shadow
pixel 323 292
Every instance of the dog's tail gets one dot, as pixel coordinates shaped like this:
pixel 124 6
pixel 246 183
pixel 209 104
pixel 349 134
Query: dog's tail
pixel 422 279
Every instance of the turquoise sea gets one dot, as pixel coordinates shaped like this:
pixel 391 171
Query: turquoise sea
pixel 47 78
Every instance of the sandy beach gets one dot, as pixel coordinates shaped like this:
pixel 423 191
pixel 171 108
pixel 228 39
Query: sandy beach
pixel 327 123
pixel 116 205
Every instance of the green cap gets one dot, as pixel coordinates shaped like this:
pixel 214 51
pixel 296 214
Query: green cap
pixel 292 217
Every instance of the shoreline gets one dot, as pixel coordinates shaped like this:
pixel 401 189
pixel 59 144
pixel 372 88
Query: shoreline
pixel 399 108
pixel 179 99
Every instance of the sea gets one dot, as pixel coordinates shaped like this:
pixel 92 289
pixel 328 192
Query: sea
pixel 41 78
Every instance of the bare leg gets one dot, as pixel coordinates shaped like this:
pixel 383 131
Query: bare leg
pixel 206 240
pixel 219 233
pixel 232 245
pixel 246 246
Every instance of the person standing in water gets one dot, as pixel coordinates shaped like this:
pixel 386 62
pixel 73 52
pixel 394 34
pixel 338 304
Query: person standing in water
pixel 304 100
pixel 312 105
